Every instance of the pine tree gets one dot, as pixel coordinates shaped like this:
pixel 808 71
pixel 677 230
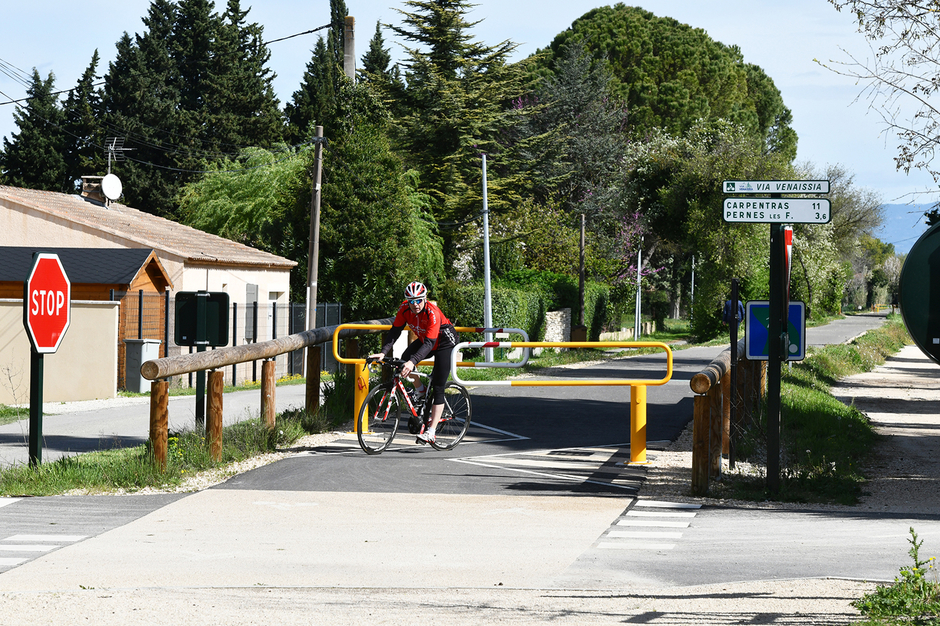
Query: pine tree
pixel 314 104
pixel 453 105
pixel 82 129
pixel 141 102
pixel 241 105
pixel 34 158
pixel 376 60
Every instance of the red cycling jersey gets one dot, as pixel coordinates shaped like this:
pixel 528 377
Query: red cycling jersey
pixel 426 324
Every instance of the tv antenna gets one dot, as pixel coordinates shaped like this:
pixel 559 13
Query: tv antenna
pixel 111 185
pixel 116 149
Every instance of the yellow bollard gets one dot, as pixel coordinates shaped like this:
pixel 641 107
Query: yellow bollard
pixel 637 424
pixel 361 391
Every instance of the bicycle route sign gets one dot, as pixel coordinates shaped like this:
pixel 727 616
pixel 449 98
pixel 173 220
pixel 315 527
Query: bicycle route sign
pixel 776 210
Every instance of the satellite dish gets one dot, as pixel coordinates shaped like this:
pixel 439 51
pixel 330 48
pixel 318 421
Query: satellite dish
pixel 111 187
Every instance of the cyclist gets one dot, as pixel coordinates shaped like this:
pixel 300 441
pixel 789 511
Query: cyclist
pixel 436 337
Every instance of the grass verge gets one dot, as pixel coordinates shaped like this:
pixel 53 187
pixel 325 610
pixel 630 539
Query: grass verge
pixel 132 469
pixel 824 442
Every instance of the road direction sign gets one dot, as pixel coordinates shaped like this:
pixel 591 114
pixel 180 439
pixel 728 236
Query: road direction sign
pixel 777 210
pixel 775 186
pixel 757 335
pixel 47 303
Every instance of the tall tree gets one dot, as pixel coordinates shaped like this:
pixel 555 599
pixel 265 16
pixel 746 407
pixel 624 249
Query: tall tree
pixel 670 75
pixel 240 102
pixel 141 101
pixel 453 105
pixel 314 103
pixel 82 129
pixel 377 59
pixel 33 159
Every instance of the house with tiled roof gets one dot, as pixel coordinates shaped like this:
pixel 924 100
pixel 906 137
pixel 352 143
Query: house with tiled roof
pixel 190 259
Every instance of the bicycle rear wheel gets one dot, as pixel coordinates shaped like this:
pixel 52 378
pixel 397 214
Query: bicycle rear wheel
pixel 456 418
pixel 380 414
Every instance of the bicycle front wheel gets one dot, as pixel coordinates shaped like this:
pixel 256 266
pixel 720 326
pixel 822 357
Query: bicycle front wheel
pixel 378 419
pixel 456 417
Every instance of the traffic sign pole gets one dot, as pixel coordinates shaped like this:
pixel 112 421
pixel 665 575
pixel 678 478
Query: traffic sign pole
pixel 47 295
pixel 35 408
pixel 776 330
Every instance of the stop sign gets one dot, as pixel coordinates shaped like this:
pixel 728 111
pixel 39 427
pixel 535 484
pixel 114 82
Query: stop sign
pixel 46 303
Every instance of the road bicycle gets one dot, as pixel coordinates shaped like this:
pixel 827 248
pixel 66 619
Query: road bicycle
pixel 382 410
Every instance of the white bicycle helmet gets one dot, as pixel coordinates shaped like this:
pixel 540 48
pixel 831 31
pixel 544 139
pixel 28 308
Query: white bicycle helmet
pixel 415 291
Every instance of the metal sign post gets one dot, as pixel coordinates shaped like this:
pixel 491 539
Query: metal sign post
pixel 47 305
pixel 779 212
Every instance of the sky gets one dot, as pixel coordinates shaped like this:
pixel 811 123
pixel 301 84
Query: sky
pixel 834 124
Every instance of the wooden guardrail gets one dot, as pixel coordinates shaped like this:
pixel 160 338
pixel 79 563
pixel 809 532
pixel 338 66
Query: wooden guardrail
pixel 158 370
pixel 711 413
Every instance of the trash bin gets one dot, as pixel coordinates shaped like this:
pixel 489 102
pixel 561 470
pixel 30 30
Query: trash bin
pixel 136 353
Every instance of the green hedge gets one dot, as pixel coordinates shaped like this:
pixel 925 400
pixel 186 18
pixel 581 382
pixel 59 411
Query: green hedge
pixel 522 303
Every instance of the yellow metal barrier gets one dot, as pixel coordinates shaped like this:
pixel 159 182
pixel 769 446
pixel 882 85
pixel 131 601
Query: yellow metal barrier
pixel 361 387
pixel 637 386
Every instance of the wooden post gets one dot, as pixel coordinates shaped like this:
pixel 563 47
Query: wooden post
pixel 214 414
pixel 268 406
pixel 714 431
pixel 312 404
pixel 700 431
pixel 159 418
pixel 725 413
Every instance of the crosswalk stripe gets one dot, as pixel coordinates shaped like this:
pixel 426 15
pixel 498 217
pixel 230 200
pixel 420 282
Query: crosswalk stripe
pixel 11 562
pixel 25 547
pixel 636 546
pixel 666 505
pixel 6 501
pixel 652 523
pixel 657 514
pixel 53 538
pixel 626 534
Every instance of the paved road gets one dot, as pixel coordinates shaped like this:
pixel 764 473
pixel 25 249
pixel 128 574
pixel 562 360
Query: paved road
pixel 538 497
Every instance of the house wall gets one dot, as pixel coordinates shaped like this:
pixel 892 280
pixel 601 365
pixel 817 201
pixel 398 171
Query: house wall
pixel 83 368
pixel 23 226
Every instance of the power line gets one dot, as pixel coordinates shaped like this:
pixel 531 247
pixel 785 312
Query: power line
pixel 306 32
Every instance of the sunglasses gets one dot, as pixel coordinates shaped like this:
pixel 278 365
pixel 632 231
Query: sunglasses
pixel 415 301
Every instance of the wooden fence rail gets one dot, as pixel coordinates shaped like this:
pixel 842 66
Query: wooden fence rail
pixel 158 370
pixel 711 413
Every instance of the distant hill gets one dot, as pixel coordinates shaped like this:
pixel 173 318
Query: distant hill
pixel 903 224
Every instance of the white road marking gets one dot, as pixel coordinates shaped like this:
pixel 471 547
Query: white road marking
pixel 652 523
pixel 636 546
pixel 6 501
pixel 657 514
pixel 25 547
pixel 11 562
pixel 666 505
pixel 55 538
pixel 627 534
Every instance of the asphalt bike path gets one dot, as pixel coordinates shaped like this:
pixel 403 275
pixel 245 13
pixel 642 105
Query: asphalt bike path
pixel 538 496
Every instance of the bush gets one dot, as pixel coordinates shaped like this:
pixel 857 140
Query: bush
pixel 521 299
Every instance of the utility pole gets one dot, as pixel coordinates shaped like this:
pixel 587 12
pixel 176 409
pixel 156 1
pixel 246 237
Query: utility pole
pixel 349 48
pixel 313 248
pixel 487 293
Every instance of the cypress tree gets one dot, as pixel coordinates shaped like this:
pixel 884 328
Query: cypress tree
pixel 454 104
pixel 83 136
pixel 376 60
pixel 34 158
pixel 242 108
